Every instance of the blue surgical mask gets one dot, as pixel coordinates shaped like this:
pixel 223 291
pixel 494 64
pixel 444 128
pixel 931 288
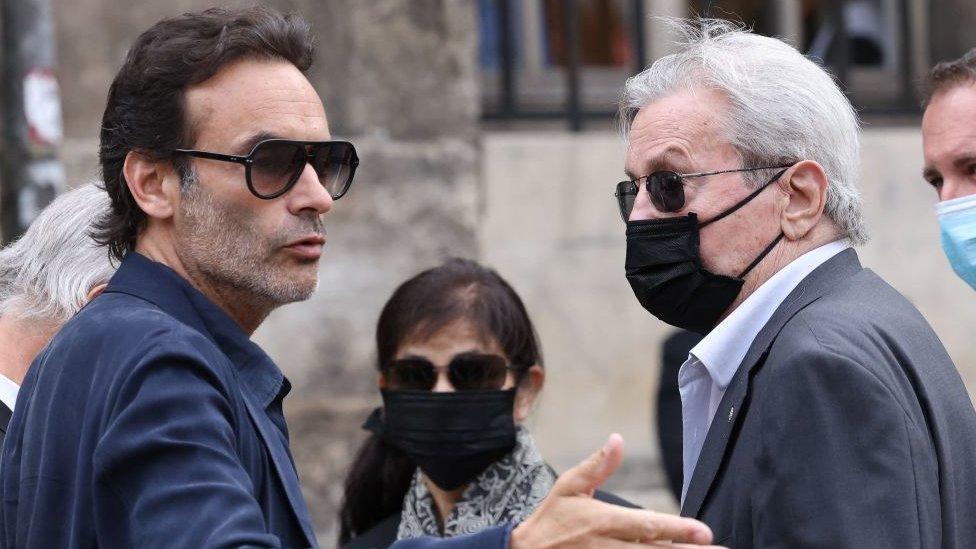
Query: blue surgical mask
pixel 957 219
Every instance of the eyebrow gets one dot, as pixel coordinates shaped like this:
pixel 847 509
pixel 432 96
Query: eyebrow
pixel 668 160
pixel 414 356
pixel 248 144
pixel 960 162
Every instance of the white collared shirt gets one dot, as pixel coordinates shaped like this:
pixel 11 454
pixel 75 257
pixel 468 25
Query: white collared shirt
pixel 8 392
pixel 704 377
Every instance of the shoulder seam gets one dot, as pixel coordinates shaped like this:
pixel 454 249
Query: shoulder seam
pixel 826 347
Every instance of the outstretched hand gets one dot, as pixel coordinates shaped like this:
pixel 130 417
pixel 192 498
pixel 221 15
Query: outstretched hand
pixel 570 517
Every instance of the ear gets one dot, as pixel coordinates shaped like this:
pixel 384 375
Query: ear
pixel 527 391
pixel 154 184
pixel 381 381
pixel 805 185
pixel 95 292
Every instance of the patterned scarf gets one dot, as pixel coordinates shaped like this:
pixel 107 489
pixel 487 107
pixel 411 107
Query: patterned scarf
pixel 506 492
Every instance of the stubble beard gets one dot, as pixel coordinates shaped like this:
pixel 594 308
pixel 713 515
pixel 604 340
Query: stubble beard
pixel 223 244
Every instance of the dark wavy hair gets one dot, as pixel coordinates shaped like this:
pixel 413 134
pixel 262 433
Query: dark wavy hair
pixel 145 111
pixel 418 309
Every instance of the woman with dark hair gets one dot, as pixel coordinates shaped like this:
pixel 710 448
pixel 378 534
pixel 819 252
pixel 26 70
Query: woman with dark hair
pixel 460 368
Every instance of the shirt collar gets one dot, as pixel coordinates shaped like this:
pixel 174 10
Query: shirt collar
pixel 163 287
pixel 8 391
pixel 724 348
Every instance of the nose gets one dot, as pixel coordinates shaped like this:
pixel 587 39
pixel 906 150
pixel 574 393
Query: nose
pixel 443 384
pixel 955 188
pixel 309 194
pixel 643 209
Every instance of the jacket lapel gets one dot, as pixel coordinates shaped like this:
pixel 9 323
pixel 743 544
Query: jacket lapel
pixel 5 415
pixel 282 463
pixel 259 378
pixel 815 285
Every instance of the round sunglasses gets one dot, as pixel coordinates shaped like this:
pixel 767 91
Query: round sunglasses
pixel 466 372
pixel 274 165
pixel 665 188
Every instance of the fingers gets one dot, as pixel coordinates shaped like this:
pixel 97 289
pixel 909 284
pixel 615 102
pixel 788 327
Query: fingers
pixel 666 545
pixel 679 529
pixel 612 525
pixel 615 544
pixel 592 472
pixel 647 526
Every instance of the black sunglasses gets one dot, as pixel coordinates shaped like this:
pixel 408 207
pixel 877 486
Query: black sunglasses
pixel 466 372
pixel 666 189
pixel 274 165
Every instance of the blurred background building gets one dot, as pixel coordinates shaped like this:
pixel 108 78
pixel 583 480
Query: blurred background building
pixel 486 130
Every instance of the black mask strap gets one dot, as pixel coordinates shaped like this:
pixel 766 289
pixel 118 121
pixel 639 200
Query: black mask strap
pixel 762 255
pixel 744 201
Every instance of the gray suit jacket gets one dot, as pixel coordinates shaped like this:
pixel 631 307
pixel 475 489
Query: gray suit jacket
pixel 846 425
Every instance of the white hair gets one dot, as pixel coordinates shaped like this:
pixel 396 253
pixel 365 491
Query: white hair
pixel 783 108
pixel 47 273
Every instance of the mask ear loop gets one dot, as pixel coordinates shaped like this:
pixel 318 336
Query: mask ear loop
pixel 744 201
pixel 762 255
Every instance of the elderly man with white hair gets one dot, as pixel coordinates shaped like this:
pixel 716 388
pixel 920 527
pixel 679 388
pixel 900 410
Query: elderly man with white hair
pixel 46 276
pixel 820 409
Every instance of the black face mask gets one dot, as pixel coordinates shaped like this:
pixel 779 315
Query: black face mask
pixel 664 269
pixel 452 437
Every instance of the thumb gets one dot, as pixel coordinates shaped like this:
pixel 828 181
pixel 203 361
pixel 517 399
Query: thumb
pixel 592 472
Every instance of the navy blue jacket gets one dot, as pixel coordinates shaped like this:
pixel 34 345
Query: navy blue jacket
pixel 151 420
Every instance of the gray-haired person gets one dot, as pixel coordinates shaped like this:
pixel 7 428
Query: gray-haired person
pixel 820 409
pixel 46 276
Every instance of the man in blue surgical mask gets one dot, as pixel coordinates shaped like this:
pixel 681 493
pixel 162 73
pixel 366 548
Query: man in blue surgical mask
pixel 949 145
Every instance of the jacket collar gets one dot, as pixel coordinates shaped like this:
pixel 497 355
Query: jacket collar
pixel 724 348
pixel 160 285
pixel 817 284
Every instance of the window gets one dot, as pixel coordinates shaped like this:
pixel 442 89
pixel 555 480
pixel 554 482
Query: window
pixel 555 59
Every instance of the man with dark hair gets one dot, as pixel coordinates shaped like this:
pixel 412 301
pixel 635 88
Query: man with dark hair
pixel 949 147
pixel 151 419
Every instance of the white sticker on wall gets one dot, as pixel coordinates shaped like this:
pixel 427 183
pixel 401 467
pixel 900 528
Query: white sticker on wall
pixel 42 107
